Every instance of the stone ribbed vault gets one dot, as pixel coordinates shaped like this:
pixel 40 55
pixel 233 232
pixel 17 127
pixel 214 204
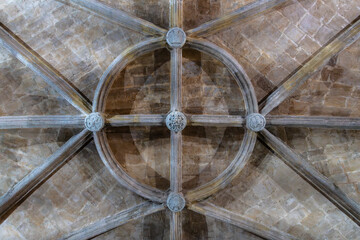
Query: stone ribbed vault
pixel 256 121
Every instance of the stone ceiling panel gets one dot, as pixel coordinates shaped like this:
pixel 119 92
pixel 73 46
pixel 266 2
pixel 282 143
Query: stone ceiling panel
pixel 208 87
pixel 207 10
pixel 196 226
pixel 334 153
pixel 80 193
pixel 272 45
pixel 208 151
pixel 155 226
pixel 25 93
pixel 142 87
pixel 143 152
pixel 78 44
pixel 333 91
pixel 22 150
pixel 155 11
pixel 269 192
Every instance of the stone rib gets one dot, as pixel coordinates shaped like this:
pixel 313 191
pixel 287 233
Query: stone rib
pixel 314 122
pixel 176 13
pixel 347 36
pixel 120 218
pixel 313 177
pixel 234 17
pixel 42 68
pixel 52 121
pixel 243 222
pixel 136 120
pixel 175 226
pixel 35 178
pixel 117 16
pixel 216 120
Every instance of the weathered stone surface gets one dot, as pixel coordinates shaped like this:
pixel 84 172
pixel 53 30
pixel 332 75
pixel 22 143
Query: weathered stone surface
pixel 208 87
pixel 143 87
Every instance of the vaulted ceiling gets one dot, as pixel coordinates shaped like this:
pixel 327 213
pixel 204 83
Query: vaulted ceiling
pixel 302 58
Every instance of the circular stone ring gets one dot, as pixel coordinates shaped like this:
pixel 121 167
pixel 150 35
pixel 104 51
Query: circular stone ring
pixel 175 121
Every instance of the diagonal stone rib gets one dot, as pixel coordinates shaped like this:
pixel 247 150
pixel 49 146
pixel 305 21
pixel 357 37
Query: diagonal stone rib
pixel 118 219
pixel 313 122
pixel 117 16
pixel 346 37
pixel 52 121
pixel 35 178
pixel 232 18
pixel 42 68
pixel 210 210
pixel 313 177
pixel 136 120
pixel 216 120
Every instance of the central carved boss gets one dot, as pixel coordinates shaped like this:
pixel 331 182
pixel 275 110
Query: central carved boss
pixel 176 121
